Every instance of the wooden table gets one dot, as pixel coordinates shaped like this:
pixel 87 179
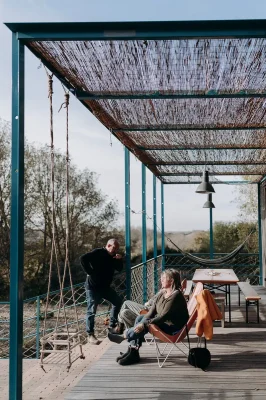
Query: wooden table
pixel 217 279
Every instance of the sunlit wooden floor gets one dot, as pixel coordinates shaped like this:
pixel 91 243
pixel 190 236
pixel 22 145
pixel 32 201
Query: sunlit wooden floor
pixel 237 370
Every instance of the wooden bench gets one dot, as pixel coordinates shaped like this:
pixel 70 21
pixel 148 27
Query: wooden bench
pixel 250 295
pixel 188 290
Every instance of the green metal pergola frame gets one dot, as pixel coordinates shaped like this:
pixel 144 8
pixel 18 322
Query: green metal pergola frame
pixel 23 34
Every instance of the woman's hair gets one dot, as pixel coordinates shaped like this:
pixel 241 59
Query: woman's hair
pixel 173 274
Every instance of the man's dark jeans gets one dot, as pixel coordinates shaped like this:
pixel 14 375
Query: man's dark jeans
pixel 93 300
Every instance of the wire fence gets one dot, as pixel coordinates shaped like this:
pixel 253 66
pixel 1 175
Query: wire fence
pixel 245 265
pixel 34 312
pixel 145 282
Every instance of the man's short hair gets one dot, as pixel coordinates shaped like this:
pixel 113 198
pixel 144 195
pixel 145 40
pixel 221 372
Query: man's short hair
pixel 111 241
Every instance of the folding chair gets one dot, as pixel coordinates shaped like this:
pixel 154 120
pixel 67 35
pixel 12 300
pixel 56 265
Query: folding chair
pixel 173 340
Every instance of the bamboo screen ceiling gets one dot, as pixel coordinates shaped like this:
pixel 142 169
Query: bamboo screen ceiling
pixel 174 137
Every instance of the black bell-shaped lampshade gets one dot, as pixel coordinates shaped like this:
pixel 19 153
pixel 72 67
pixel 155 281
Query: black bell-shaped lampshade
pixel 209 203
pixel 205 187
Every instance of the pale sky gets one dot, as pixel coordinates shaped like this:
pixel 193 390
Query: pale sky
pixel 89 140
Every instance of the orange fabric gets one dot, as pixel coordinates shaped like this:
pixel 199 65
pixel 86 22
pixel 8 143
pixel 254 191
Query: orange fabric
pixel 208 311
pixel 143 312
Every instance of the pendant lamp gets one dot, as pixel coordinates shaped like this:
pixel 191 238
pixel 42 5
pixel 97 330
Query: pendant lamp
pixel 209 203
pixel 205 187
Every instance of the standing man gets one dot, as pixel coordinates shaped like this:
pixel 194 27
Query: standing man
pixel 100 265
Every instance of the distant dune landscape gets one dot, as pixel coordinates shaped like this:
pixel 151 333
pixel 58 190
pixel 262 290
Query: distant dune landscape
pixel 184 240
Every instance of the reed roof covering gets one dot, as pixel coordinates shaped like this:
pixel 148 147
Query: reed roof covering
pixel 178 105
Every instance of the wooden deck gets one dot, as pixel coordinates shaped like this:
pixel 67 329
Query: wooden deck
pixel 237 370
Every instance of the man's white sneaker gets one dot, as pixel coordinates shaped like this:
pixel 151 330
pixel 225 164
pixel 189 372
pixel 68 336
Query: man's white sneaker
pixel 93 340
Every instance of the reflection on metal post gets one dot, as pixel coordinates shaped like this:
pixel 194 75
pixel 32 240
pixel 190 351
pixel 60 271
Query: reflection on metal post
pixel 17 222
pixel 162 225
pixel 127 223
pixel 155 274
pixel 38 306
pixel 144 232
pixel 260 234
pixel 211 234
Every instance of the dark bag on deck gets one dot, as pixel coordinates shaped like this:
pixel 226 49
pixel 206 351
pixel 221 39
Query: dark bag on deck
pixel 199 357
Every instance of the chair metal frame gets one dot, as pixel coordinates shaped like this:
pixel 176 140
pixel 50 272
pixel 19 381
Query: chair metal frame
pixel 178 338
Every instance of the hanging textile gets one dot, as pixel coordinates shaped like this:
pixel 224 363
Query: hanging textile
pixel 216 261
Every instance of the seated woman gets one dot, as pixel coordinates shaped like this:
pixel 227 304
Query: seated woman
pixel 129 312
pixel 169 313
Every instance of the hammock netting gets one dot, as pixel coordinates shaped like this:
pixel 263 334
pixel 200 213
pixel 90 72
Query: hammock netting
pixel 216 261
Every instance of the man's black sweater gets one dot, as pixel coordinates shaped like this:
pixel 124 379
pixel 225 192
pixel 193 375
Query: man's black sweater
pixel 100 266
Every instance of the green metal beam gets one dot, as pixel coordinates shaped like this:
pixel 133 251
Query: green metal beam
pixel 162 226
pixel 213 183
pixel 17 221
pixel 176 148
pixel 212 94
pixel 260 235
pixel 211 234
pixel 187 128
pixel 210 173
pixel 156 30
pixel 206 163
pixel 263 179
pixel 127 223
pixel 144 231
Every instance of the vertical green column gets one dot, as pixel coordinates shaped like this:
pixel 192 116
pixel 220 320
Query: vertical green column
pixel 17 222
pixel 211 234
pixel 38 307
pixel 260 235
pixel 155 274
pixel 127 222
pixel 162 225
pixel 144 232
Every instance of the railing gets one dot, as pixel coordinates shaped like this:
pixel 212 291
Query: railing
pixel 34 308
pixel 245 265
pixel 33 313
pixel 145 279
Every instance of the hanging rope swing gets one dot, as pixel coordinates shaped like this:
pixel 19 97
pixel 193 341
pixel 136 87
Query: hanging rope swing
pixel 61 345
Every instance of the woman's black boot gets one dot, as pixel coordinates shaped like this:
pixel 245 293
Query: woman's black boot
pixel 122 355
pixel 118 330
pixel 131 358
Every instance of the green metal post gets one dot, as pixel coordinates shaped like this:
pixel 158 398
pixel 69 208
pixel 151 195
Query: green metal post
pixel 38 306
pixel 155 253
pixel 162 225
pixel 17 222
pixel 127 223
pixel 211 234
pixel 144 232
pixel 260 234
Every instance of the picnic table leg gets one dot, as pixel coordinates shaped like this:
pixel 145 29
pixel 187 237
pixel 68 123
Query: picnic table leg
pixel 239 296
pixel 226 292
pixel 247 311
pixel 258 312
pixel 229 302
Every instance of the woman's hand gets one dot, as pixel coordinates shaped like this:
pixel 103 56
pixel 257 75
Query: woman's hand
pixel 139 328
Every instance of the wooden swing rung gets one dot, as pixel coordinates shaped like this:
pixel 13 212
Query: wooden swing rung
pixel 72 346
pixel 55 334
pixel 61 342
pixel 54 351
